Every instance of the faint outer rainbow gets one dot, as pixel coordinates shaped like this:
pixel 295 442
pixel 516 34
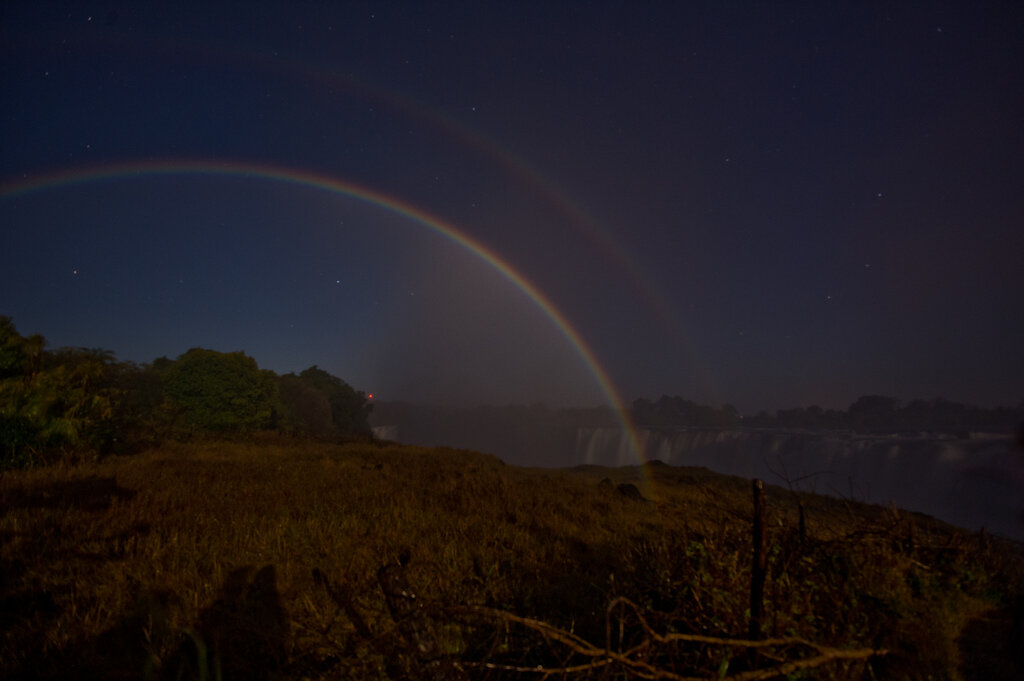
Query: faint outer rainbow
pixel 330 80
pixel 333 185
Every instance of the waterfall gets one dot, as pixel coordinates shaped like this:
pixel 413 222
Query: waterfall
pixel 603 447
pixel 385 433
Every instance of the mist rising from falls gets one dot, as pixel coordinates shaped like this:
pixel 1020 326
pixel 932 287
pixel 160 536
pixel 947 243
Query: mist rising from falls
pixel 970 481
pixel 973 482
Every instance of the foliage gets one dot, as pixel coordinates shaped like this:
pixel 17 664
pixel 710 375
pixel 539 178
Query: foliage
pixel 668 411
pixel 18 435
pixel 61 400
pixel 221 392
pixel 144 416
pixel 349 408
pixel 163 562
pixel 308 409
pixel 74 402
pixel 14 354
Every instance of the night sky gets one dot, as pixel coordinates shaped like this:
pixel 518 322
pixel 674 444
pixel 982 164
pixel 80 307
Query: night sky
pixel 767 204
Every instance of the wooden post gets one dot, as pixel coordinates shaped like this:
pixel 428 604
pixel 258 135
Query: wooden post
pixel 760 564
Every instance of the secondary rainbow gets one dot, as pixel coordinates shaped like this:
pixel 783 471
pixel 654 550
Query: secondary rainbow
pixel 333 185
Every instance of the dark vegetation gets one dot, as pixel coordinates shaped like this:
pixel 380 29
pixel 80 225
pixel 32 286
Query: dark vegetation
pixel 75 403
pixel 252 535
pixel 292 560
pixel 78 402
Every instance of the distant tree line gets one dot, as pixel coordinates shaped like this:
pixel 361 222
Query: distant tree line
pixel 494 418
pixel 73 401
pixel 676 411
pixel 867 413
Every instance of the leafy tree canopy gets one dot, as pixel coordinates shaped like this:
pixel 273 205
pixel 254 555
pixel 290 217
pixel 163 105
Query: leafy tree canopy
pixel 52 399
pixel 349 409
pixel 308 410
pixel 78 400
pixel 222 392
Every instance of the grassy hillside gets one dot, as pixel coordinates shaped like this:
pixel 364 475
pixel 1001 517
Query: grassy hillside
pixel 243 561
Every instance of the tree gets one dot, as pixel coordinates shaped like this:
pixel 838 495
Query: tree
pixel 143 416
pixel 643 411
pixel 308 409
pixel 77 386
pixel 222 392
pixel 790 418
pixel 814 416
pixel 730 415
pixel 873 411
pixel 349 409
pixel 13 355
pixel 62 400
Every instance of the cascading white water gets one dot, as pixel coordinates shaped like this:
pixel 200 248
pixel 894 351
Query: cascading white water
pixel 971 481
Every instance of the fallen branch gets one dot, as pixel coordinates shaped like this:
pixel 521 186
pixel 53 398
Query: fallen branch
pixel 603 657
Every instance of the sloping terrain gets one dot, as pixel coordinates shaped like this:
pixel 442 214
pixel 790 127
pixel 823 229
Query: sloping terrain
pixel 299 560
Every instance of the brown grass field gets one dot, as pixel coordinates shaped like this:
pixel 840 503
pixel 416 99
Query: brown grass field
pixel 288 560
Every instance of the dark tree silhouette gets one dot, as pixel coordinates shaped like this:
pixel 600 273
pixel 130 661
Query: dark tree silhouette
pixel 308 409
pixel 350 410
pixel 222 392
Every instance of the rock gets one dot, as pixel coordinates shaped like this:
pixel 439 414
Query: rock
pixel 630 491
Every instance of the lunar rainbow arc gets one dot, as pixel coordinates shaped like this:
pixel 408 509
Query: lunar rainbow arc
pixel 337 186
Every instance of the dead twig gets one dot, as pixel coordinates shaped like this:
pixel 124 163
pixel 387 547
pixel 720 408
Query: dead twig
pixel 603 657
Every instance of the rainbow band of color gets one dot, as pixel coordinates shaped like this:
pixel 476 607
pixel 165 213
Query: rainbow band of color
pixel 336 186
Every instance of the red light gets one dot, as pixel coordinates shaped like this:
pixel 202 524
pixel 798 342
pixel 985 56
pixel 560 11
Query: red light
pixel 370 396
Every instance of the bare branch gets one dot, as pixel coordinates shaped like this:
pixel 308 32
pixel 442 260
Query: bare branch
pixel 602 657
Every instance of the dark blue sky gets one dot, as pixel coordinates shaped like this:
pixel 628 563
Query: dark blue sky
pixel 757 203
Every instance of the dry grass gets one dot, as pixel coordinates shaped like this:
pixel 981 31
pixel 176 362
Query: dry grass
pixel 198 560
